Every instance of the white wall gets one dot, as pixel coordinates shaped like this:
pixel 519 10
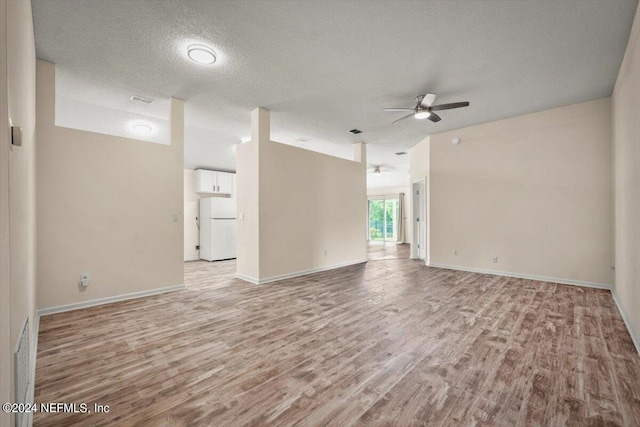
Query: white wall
pixel 533 190
pixel 626 161
pixel 17 192
pixel 191 212
pixel 406 220
pixel 303 210
pixel 104 207
pixel 418 171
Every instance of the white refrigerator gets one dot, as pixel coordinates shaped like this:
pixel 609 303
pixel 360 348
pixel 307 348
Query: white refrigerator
pixel 217 228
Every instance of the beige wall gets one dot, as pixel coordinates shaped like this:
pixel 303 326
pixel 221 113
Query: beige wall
pixel 105 207
pixel 302 210
pixel 534 191
pixel 626 148
pixel 6 370
pixel 18 187
pixel 406 206
pixel 419 160
pixel 312 210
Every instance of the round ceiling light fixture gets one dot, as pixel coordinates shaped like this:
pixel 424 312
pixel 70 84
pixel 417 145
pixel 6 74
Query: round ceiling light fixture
pixel 201 54
pixel 141 129
pixel 422 114
pixel 455 141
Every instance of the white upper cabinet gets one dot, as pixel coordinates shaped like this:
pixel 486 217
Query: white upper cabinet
pixel 225 182
pixel 212 182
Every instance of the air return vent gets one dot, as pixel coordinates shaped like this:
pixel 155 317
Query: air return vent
pixel 22 370
pixel 141 99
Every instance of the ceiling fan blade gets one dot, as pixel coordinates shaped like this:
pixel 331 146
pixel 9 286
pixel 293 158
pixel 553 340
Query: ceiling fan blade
pixel 449 106
pixel 405 117
pixel 434 117
pixel 428 100
pixel 397 109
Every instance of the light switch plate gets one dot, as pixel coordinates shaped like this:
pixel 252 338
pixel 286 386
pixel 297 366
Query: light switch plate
pixel 16 136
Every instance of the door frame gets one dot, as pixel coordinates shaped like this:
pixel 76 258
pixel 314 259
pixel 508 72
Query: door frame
pixel 419 245
pixel 383 198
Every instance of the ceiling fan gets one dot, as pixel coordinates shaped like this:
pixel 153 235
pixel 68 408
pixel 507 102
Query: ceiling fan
pixel 379 169
pixel 424 108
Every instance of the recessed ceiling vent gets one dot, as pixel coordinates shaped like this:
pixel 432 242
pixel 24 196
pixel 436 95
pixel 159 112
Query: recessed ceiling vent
pixel 141 99
pixel 401 153
pixel 355 131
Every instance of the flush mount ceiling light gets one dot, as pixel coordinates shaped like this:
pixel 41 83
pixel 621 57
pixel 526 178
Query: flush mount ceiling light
pixel 423 114
pixel 201 54
pixel 141 129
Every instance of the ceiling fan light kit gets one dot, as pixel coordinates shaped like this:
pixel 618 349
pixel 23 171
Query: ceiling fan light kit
pixel 424 108
pixel 201 54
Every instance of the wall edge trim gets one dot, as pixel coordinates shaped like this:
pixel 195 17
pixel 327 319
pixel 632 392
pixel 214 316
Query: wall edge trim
pixel 106 300
pixel 298 273
pixel 526 276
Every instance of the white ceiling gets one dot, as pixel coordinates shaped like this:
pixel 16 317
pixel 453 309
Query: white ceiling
pixel 324 67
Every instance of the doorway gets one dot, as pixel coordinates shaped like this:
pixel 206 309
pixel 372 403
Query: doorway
pixel 419 215
pixel 383 219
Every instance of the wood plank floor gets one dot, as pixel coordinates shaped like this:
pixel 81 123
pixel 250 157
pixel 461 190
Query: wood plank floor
pixel 389 342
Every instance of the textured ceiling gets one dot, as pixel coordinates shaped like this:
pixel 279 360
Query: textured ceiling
pixel 324 67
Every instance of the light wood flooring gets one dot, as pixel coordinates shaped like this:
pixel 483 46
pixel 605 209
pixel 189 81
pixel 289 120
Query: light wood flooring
pixel 389 342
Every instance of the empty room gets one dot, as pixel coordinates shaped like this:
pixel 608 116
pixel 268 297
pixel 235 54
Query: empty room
pixel 319 213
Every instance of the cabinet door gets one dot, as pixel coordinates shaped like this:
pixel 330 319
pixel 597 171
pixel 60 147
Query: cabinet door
pixel 225 183
pixel 205 181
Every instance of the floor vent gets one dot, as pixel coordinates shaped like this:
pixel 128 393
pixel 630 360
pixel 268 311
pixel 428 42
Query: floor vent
pixel 22 370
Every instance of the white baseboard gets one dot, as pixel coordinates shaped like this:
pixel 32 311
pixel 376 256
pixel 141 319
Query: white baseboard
pixel 526 276
pixel 626 319
pixel 192 258
pixel 297 273
pixel 247 278
pixel 107 300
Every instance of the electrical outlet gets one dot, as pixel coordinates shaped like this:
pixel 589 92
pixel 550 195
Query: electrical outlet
pixel 455 253
pixel 84 279
pixel 197 247
pixel 495 259
pixel 325 252
pixel 175 217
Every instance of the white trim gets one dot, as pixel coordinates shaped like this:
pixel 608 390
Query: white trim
pixel 297 273
pixel 626 319
pixel 191 258
pixel 247 278
pixel 34 357
pixel 416 211
pixel 107 300
pixel 527 276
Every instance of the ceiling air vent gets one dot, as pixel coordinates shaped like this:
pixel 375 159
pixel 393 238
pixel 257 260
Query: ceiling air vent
pixel 401 153
pixel 141 99
pixel 355 131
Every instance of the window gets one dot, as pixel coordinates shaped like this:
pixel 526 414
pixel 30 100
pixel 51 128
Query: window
pixel 383 218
